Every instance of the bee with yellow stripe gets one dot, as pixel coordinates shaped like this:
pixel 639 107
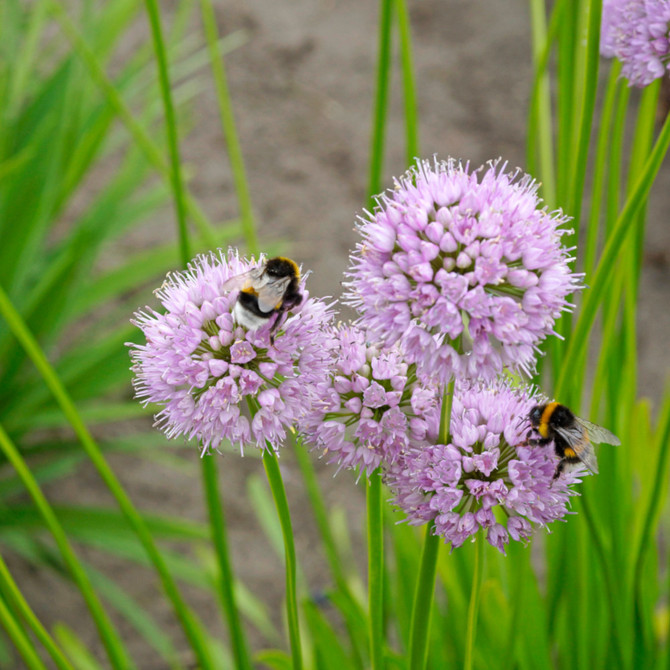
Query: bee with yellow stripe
pixel 271 288
pixel 572 436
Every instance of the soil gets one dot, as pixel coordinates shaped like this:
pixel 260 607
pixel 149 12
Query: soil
pixel 302 87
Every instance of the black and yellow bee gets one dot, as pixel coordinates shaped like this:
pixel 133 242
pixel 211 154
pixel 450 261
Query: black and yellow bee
pixel 572 436
pixel 271 288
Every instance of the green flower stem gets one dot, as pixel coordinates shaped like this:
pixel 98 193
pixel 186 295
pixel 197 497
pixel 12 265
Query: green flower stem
pixel 473 607
pixel 423 600
pixel 425 584
pixel 193 629
pixel 226 577
pixel 375 532
pixel 110 638
pixel 19 638
pixel 273 473
pixel 622 227
pixel 170 127
pixel 381 99
pixel 228 125
pixel 12 592
pixel 408 85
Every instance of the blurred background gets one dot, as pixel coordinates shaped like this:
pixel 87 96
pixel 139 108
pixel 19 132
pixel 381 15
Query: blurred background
pixel 301 77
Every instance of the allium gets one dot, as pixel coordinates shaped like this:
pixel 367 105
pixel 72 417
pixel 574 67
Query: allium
pixel 204 368
pixel 464 267
pixel 637 32
pixel 372 409
pixel 461 484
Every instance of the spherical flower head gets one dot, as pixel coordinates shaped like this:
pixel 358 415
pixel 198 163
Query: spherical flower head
pixel 204 369
pixel 464 268
pixel 637 32
pixel 372 409
pixel 461 485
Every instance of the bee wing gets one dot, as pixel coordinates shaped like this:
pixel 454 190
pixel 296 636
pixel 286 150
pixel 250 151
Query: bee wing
pixel 598 434
pixel 578 440
pixel 244 280
pixel 271 293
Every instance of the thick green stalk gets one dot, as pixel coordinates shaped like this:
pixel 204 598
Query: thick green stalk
pixel 423 600
pixel 193 629
pixel 110 638
pixel 12 592
pixel 473 607
pixel 170 125
pixel 226 576
pixel 381 100
pixel 375 532
pixel 271 464
pixel 425 584
pixel 408 85
pixel 18 636
pixel 228 125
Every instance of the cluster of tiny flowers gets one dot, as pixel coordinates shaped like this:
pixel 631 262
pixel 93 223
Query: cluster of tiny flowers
pixel 463 268
pixel 203 368
pixel 637 32
pixel 459 485
pixel 372 408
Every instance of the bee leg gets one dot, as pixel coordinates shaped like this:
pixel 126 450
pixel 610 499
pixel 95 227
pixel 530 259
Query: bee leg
pixel 559 469
pixel 275 325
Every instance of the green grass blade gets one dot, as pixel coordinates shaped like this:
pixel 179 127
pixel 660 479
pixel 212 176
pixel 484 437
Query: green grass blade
pixel 590 87
pixel 113 98
pixel 20 639
pixel 229 129
pixel 192 627
pixel 20 604
pixel 593 297
pixel 110 638
pixel 75 648
pixel 171 128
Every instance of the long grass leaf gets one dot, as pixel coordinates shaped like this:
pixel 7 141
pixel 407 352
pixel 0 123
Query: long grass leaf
pixel 228 126
pixel 20 638
pixel 110 638
pixel 186 617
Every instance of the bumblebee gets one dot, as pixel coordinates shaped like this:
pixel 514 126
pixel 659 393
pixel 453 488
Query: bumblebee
pixel 271 288
pixel 572 436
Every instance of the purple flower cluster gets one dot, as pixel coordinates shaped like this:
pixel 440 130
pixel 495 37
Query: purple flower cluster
pixel 463 268
pixel 461 485
pixel 637 32
pixel 372 408
pixel 204 368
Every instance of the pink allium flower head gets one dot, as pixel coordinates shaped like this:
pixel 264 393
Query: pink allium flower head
pixel 460 484
pixel 203 367
pixel 464 268
pixel 637 32
pixel 372 409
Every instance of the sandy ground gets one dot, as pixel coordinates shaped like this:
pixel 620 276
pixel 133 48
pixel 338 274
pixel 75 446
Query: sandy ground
pixel 302 87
